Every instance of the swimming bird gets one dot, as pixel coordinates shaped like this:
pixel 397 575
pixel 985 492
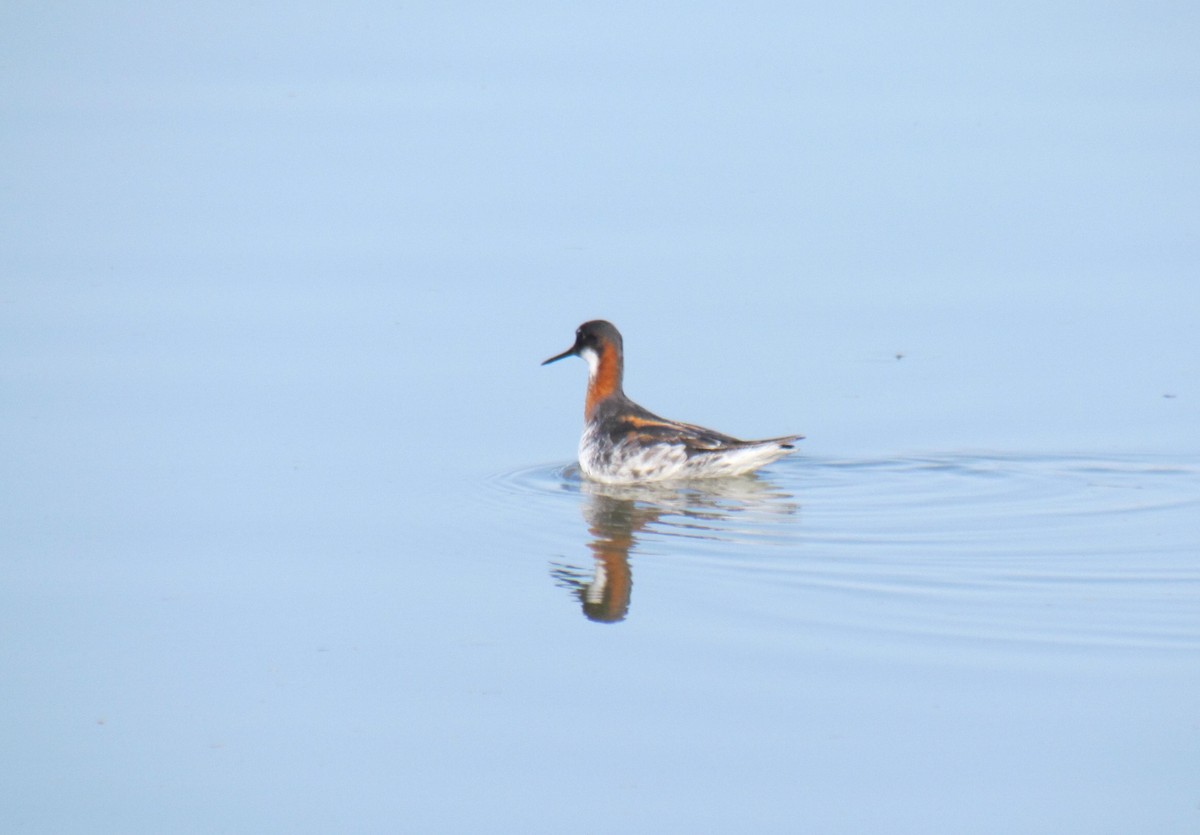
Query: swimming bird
pixel 623 443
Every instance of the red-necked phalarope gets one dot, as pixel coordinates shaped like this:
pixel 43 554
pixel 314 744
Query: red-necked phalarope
pixel 623 443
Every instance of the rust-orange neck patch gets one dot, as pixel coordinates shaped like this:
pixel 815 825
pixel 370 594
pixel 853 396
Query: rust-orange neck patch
pixel 605 382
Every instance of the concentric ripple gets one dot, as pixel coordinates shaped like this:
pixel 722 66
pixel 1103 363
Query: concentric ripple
pixel 993 502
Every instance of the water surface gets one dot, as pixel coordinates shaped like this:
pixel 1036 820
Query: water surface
pixel 292 536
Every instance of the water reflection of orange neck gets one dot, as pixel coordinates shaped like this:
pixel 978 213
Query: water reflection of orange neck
pixel 605 381
pixel 612 558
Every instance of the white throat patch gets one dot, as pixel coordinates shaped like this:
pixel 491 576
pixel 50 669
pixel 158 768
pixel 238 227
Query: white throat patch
pixel 593 361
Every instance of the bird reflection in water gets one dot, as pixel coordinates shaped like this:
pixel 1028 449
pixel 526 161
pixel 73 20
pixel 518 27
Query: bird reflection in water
pixel 618 516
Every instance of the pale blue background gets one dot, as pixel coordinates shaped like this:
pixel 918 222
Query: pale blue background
pixel 274 285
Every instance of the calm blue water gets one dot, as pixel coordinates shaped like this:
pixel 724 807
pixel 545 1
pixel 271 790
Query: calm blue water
pixel 293 540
